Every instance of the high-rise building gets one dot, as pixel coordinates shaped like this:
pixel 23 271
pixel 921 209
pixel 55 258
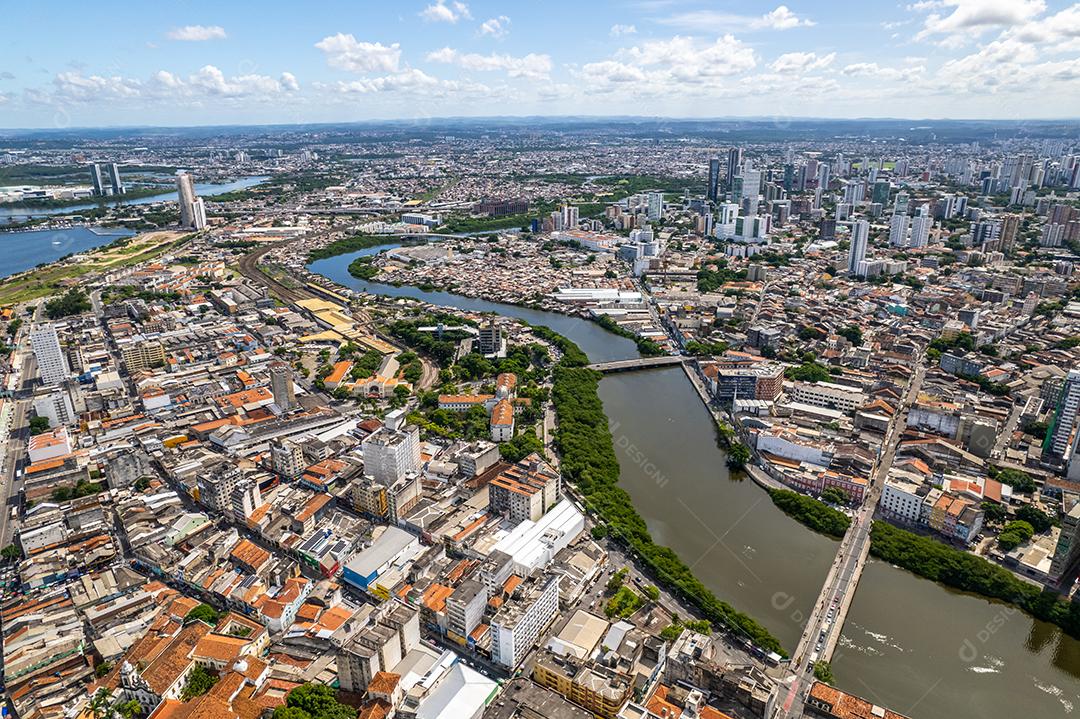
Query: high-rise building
pixel 51 362
pixel 656 205
pixel 198 214
pixel 95 178
pixel 734 164
pixel 389 633
pixel 860 236
pixel 1060 432
pixel 920 228
pixel 114 179
pixel 281 385
pixel 569 217
pixel 714 179
pixel 900 206
pixel 185 190
pixel 898 230
pixel 392 451
pixel 287 458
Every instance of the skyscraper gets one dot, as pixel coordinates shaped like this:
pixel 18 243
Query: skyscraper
pixel 714 179
pixel 52 364
pixel 751 186
pixel 898 230
pixel 920 227
pixel 734 163
pixel 1060 432
pixel 282 386
pixel 95 177
pixel 860 236
pixel 198 214
pixel 185 188
pixel 114 179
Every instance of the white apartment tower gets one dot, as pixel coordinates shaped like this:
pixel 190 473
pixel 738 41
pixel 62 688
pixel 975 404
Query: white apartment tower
pixel 52 364
pixel 920 227
pixel 860 236
pixel 898 230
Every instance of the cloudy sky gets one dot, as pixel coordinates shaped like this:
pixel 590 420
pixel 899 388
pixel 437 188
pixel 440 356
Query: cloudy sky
pixel 188 62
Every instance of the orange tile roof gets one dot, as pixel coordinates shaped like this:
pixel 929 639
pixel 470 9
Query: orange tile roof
pixel 249 553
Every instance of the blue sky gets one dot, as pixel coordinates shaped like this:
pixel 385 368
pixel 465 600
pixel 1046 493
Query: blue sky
pixel 198 63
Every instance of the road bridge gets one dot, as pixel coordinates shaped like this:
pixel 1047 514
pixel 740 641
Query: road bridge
pixel 636 364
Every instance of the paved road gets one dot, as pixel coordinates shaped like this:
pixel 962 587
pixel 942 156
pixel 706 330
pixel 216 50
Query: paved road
pixel 15 438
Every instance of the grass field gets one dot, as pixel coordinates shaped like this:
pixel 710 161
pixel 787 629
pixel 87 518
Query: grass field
pixel 45 281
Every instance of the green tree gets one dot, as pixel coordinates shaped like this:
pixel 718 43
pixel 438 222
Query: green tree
pixel 202 613
pixel 101 703
pixel 835 495
pixel 10 553
pixel 129 709
pixel 1034 516
pixel 199 681
pixel 738 455
pixel 823 672
pixel 39 425
pixel 651 592
pixel 319 702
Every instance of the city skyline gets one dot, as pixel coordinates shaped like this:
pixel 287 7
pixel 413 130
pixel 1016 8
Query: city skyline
pixel 210 65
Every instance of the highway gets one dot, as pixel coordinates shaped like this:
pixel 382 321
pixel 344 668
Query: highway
pixel 823 628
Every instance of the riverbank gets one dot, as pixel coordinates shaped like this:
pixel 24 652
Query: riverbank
pixel 588 461
pixel 51 278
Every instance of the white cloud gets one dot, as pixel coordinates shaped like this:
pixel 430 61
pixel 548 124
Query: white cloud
pixel 532 66
pixel 688 58
pixel 975 15
pixel 780 18
pixel 209 81
pixel 345 52
pixel 671 66
pixel 618 29
pixel 800 62
pixel 197 33
pixel 289 82
pixel 873 70
pixel 496 26
pixel 410 79
pixel 441 12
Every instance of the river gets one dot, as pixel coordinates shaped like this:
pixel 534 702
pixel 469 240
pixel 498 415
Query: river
pixel 20 214
pixel 909 644
pixel 26 249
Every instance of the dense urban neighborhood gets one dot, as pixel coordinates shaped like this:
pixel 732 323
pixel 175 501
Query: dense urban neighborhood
pixel 318 424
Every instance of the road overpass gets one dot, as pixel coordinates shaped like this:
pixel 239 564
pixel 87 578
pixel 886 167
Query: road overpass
pixel 636 364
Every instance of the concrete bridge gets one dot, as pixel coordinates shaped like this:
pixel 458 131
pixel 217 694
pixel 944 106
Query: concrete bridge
pixel 636 364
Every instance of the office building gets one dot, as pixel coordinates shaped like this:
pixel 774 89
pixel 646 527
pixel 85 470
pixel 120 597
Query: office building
pixel 140 354
pixel 714 179
pixel 523 618
pixel 56 405
pixel 281 385
pixel 526 490
pixel 114 179
pixel 185 190
pixel 287 458
pixel 51 362
pixel 390 632
pixel 734 163
pixel 860 236
pixel 393 450
pixel 465 609
pixel 96 180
